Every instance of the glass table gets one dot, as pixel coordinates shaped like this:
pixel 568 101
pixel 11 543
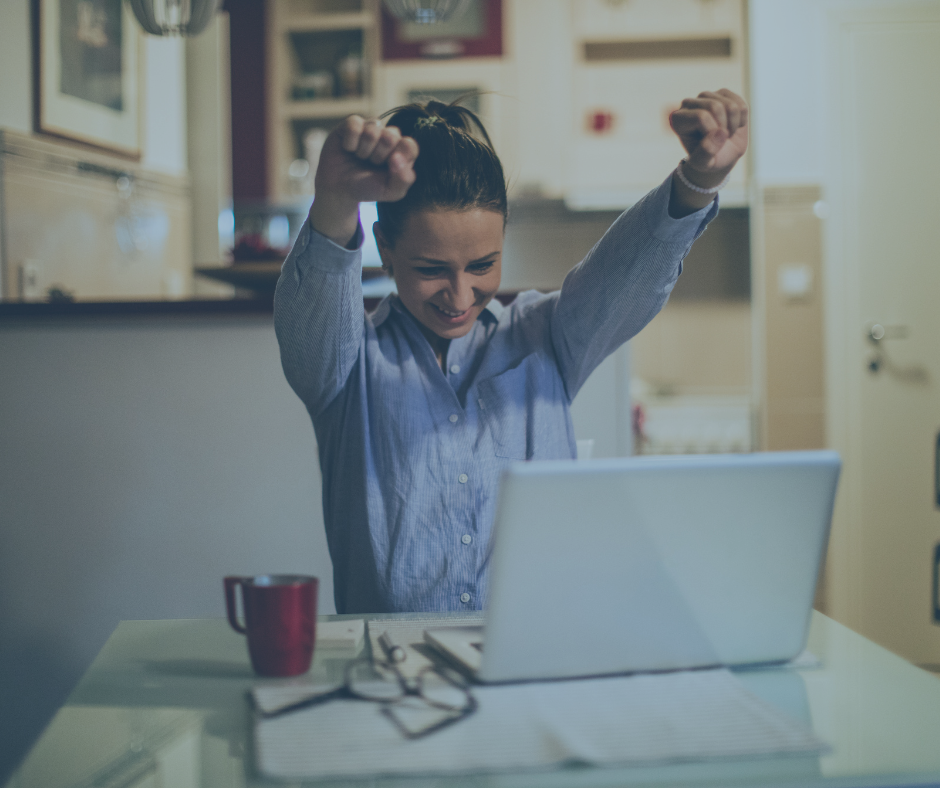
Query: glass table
pixel 165 704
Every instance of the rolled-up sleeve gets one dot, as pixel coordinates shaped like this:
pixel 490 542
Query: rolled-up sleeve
pixel 318 316
pixel 623 282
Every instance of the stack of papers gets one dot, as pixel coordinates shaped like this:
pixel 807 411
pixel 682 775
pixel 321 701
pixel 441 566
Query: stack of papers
pixel 409 634
pixel 345 635
pixel 640 719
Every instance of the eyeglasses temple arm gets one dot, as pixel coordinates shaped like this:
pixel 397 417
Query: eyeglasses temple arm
pixel 305 703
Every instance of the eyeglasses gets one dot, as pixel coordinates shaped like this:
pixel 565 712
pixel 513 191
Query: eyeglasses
pixel 443 694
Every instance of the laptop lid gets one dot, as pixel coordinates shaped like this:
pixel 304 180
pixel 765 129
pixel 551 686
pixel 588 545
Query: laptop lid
pixel 655 563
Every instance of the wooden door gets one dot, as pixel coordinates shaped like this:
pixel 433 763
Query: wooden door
pixel 884 323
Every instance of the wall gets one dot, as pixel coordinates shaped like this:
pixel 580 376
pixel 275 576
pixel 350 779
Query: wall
pixel 545 240
pixel 142 460
pixel 539 109
pixel 788 68
pixel 164 137
pixel 698 349
pixel 794 413
pixel 789 117
pixel 787 90
pixel 789 121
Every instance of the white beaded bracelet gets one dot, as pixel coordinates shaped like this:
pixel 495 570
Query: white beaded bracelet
pixel 698 189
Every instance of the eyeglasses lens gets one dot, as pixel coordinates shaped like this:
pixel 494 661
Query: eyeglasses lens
pixel 373 682
pixel 443 690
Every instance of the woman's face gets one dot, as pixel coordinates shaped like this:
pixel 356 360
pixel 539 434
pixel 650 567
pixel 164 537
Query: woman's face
pixel 447 266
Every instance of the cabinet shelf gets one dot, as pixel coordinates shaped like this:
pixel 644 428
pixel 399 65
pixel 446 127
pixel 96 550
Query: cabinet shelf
pixel 325 108
pixel 311 23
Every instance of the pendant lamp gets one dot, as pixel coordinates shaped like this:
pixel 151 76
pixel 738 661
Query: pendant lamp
pixel 426 12
pixel 174 17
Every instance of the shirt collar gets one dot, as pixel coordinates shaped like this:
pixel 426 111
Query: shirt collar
pixel 495 308
pixel 382 310
pixel 390 302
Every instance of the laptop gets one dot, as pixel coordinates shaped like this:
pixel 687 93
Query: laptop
pixel 649 564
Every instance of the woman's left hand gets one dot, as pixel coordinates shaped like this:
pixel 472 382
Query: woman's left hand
pixel 713 130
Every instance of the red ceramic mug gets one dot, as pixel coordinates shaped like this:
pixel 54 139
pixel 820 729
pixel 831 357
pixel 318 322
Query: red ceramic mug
pixel 280 620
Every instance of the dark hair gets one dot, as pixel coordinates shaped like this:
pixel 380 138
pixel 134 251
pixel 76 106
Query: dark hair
pixel 455 168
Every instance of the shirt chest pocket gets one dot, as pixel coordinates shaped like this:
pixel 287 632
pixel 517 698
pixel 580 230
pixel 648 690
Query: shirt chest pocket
pixel 526 411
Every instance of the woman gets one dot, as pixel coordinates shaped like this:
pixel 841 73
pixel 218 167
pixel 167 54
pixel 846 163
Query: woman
pixel 419 406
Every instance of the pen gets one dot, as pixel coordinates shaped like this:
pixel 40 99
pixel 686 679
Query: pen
pixel 393 653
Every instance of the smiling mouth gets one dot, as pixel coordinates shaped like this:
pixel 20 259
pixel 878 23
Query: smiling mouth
pixel 450 316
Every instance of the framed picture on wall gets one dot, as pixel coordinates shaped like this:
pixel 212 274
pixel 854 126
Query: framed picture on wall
pixel 476 32
pixel 87 73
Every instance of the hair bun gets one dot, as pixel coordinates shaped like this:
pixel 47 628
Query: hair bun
pixel 427 122
pixel 436 107
pixel 433 114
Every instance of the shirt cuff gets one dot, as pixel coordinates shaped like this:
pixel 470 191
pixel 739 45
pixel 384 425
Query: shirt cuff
pixel 312 249
pixel 663 227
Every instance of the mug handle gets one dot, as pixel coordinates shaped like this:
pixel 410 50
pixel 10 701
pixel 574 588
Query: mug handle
pixel 231 608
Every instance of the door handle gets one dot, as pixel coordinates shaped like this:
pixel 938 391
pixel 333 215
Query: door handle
pixel 936 585
pixel 877 333
pixel 936 472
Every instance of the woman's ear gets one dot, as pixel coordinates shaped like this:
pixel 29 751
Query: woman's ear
pixel 384 247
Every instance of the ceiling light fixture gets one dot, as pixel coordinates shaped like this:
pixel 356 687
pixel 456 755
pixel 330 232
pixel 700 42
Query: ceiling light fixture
pixel 174 17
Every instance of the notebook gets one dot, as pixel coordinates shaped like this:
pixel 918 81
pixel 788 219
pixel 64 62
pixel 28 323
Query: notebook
pixel 649 564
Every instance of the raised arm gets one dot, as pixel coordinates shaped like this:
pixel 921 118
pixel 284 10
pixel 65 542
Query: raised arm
pixel 627 277
pixel 318 313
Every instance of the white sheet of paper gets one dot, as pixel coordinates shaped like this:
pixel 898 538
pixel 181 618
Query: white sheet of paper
pixel 346 635
pixel 651 718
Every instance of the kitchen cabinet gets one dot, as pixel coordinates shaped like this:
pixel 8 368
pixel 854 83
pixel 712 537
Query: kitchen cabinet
pixel 577 105
pixel 633 63
pixel 321 61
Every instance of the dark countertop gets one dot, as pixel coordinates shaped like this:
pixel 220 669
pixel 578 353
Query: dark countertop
pixel 194 307
pixel 182 307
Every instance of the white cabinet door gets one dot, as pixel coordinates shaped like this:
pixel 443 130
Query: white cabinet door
pixel 634 62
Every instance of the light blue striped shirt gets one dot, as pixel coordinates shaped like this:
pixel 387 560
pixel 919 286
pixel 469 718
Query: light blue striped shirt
pixel 411 454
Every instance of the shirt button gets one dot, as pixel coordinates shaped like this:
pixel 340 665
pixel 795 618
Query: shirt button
pixel 466 538
pixel 463 478
pixel 453 418
pixel 465 597
pixel 455 368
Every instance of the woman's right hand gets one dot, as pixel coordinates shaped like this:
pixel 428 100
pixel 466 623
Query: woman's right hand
pixel 361 161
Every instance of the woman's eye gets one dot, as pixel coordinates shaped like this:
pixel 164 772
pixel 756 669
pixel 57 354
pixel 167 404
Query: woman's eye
pixel 481 268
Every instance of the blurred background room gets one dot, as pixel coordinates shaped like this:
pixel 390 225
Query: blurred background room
pixel 151 185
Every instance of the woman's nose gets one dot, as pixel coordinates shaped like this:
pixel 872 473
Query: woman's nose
pixel 461 294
